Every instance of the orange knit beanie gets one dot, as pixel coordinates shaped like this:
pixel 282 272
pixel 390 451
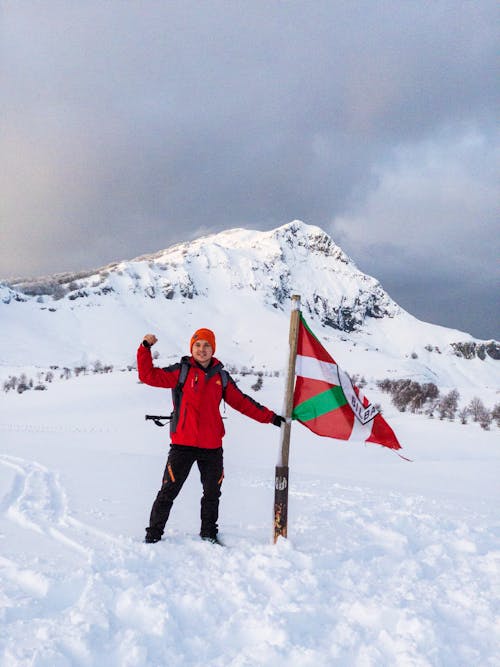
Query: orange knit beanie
pixel 203 334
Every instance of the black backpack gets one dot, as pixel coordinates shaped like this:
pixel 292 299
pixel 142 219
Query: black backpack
pixel 177 391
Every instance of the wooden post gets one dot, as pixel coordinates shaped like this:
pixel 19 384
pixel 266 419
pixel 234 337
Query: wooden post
pixel 281 472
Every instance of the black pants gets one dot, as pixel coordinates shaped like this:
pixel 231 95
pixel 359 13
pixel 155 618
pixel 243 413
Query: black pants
pixel 179 463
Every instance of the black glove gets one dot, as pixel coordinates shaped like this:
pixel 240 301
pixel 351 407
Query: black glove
pixel 277 420
pixel 146 344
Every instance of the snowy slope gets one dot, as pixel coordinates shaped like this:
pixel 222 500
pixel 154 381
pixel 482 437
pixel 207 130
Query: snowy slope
pixel 388 563
pixel 238 283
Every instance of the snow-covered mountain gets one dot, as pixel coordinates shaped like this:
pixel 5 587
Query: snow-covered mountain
pixel 387 563
pixel 239 283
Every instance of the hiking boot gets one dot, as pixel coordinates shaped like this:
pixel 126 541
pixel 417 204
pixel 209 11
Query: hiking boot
pixel 212 540
pixel 151 539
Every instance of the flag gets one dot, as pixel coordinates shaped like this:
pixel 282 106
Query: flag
pixel 326 401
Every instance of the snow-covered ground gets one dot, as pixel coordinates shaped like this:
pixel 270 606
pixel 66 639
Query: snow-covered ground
pixel 387 562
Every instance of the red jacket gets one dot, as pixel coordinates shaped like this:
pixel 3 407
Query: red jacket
pixel 200 423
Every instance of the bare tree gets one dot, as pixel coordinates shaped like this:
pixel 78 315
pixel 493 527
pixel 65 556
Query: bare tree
pixel 485 420
pixel 476 408
pixel 463 415
pixel 97 368
pixel 448 405
pixel 495 413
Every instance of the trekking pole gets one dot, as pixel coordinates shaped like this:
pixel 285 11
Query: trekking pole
pixel 157 419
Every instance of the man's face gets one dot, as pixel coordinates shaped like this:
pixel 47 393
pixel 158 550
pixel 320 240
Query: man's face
pixel 202 352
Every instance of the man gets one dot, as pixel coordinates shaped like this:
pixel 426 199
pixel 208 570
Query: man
pixel 199 383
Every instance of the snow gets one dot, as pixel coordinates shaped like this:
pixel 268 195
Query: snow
pixel 387 562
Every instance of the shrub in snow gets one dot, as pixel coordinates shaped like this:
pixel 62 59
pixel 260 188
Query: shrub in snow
pixel 485 420
pixel 385 385
pixel 358 381
pixel 258 384
pixel 448 405
pixel 480 413
pixel 463 415
pixel 429 391
pixel 495 413
pixel 431 408
pixel 23 384
pixel 410 395
pixel 97 367
pixel 476 408
pixel 11 383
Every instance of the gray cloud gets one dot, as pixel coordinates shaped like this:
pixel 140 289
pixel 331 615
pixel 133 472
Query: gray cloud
pixel 130 126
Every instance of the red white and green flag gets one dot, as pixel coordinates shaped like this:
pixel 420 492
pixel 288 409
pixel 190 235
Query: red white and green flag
pixel 326 401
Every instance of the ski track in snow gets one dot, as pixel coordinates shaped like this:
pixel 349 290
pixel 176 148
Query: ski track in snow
pixel 370 578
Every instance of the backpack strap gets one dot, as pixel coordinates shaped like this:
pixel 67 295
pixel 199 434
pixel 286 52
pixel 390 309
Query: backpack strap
pixel 177 394
pixel 183 374
pixel 224 376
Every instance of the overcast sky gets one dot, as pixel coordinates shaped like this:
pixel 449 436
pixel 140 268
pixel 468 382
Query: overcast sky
pixel 128 126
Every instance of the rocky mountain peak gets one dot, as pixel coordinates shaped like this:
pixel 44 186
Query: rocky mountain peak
pixel 297 234
pixel 294 258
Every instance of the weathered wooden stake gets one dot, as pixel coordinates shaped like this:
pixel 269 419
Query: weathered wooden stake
pixel 281 472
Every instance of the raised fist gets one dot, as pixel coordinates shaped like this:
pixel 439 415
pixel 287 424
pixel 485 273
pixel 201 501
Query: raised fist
pixel 150 339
